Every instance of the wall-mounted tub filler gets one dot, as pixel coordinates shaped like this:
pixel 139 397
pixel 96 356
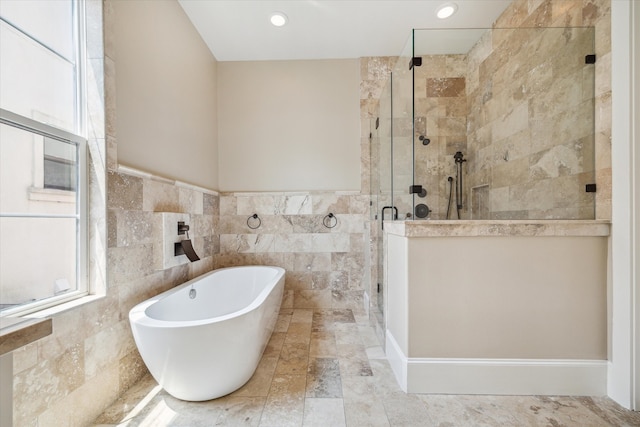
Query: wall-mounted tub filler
pixel 184 247
pixel 172 230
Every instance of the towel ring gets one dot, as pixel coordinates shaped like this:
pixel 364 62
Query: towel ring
pixel 330 220
pixel 254 216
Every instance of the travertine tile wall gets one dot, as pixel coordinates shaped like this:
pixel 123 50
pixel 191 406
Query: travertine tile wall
pixel 326 267
pixel 527 130
pixel 576 13
pixel 91 357
pixel 531 104
pixel 441 116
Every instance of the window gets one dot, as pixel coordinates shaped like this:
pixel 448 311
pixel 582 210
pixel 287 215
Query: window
pixel 42 154
pixel 60 165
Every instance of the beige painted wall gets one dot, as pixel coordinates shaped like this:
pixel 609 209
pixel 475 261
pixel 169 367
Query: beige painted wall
pixel 166 93
pixel 507 297
pixel 289 125
pixel 397 290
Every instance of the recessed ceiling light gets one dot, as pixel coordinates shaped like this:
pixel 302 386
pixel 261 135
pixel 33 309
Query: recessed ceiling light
pixel 278 19
pixel 446 10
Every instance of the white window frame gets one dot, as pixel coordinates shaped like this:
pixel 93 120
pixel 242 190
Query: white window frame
pixel 79 139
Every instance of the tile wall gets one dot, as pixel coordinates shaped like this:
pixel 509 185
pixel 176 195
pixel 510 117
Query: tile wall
pixel 587 13
pixel 441 116
pixel 531 103
pixel 524 160
pixel 326 267
pixel 91 357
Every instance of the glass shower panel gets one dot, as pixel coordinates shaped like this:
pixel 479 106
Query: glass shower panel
pixel 516 108
pixel 381 200
pixel 402 132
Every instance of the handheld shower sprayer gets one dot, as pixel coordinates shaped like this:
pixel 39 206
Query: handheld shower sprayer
pixel 450 179
pixel 459 160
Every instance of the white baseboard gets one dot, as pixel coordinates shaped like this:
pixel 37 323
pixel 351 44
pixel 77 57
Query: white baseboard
pixel 497 376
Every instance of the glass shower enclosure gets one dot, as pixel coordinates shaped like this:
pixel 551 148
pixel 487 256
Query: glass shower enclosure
pixel 485 124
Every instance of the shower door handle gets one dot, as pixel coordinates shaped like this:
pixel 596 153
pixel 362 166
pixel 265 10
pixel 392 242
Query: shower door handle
pixel 395 214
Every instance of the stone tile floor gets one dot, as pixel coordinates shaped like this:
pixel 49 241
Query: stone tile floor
pixel 326 368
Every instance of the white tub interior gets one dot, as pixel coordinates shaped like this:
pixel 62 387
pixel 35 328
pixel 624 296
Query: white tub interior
pixel 228 291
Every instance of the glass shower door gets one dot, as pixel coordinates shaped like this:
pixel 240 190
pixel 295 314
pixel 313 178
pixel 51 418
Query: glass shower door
pixel 381 195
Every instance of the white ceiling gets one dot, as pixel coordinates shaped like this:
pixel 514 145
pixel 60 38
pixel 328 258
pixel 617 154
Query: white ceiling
pixel 239 30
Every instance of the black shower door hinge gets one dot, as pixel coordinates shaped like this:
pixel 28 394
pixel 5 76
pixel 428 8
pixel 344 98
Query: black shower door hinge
pixel 590 59
pixel 590 188
pixel 416 61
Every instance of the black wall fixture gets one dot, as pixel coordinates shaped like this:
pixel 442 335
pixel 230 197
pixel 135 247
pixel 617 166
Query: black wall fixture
pixel 415 189
pixel 422 210
pixel 416 61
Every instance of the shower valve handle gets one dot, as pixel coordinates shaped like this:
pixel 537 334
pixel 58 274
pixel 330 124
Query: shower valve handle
pixel 415 189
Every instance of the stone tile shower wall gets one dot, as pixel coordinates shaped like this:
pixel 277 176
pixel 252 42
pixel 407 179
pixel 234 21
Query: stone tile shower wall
pixel 440 116
pixel 524 161
pixel 567 13
pixel 530 98
pixel 325 266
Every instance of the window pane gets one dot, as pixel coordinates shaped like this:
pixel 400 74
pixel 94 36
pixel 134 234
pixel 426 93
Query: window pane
pixel 38 259
pixel 49 22
pixel 35 82
pixel 27 184
pixel 59 165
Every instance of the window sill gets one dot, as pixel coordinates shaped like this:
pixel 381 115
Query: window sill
pixel 51 195
pixel 18 332
pixel 65 306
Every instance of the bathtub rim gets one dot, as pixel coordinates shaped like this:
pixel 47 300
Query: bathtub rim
pixel 138 315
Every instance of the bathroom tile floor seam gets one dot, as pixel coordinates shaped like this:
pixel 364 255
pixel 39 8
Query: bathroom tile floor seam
pixel 326 368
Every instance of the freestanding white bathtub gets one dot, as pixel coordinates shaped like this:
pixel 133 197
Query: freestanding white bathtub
pixel 207 346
